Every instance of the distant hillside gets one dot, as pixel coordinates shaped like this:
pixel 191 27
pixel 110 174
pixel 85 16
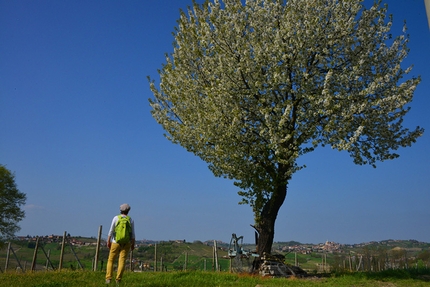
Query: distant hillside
pixel 389 243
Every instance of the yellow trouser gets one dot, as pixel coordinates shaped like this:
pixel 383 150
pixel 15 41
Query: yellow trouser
pixel 115 250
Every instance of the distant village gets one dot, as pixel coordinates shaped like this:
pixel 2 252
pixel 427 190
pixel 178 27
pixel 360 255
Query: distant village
pixel 328 246
pixel 76 240
pixel 333 247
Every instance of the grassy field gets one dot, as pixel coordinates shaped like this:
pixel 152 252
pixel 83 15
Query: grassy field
pixel 410 278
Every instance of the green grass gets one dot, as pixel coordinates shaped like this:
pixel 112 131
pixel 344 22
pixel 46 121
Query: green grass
pixel 393 278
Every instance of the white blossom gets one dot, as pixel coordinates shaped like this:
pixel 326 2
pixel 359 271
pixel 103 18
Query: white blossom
pixel 249 88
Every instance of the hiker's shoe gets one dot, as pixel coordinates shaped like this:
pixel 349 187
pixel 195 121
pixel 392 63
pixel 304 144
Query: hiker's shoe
pixel 107 281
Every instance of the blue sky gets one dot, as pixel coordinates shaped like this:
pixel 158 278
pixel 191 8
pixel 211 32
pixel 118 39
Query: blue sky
pixel 77 132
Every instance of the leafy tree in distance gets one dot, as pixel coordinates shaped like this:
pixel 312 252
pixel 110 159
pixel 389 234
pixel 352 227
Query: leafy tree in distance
pixel 10 201
pixel 249 88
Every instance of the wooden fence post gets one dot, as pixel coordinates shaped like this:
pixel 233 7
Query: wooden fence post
pixel 322 262
pixel 96 260
pixel 231 265
pixel 213 257
pixel 350 263
pixel 33 263
pixel 60 266
pixel 7 257
pixel 216 256
pixel 131 260
pixel 360 263
pixel 155 257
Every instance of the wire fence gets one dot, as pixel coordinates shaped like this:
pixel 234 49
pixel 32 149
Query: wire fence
pixel 79 253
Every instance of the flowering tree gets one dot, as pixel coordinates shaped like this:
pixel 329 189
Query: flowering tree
pixel 251 87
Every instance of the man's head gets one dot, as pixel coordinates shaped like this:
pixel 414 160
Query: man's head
pixel 124 208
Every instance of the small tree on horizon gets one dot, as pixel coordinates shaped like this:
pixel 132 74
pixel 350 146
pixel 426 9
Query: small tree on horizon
pixel 10 201
pixel 249 88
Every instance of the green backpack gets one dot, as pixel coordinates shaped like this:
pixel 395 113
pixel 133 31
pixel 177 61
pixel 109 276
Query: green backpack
pixel 123 230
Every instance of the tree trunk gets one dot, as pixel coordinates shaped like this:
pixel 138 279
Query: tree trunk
pixel 266 226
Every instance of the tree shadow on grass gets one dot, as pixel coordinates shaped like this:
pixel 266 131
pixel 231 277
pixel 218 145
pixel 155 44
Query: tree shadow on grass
pixel 413 273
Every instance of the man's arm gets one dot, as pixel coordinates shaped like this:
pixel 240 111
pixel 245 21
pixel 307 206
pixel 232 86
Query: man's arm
pixel 112 228
pixel 109 242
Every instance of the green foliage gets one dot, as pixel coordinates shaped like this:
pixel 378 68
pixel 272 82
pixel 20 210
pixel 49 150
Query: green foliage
pixel 424 255
pixel 11 200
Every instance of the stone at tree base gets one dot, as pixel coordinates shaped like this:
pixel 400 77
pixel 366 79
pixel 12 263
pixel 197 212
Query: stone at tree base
pixel 274 266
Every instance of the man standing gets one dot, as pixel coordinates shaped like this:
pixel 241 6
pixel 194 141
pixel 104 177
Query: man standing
pixel 121 239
